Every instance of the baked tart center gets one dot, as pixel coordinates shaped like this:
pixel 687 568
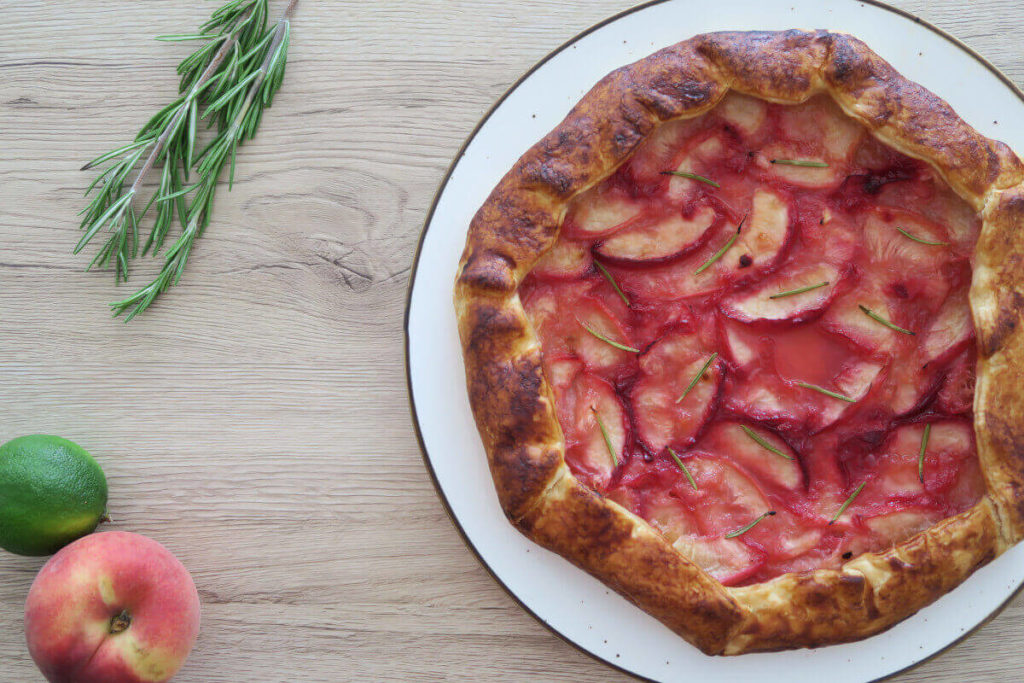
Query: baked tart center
pixel 758 338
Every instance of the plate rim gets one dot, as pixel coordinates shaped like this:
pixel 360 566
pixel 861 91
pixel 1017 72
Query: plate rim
pixel 424 454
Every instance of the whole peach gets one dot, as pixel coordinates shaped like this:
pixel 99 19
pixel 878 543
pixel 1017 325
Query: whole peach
pixel 112 607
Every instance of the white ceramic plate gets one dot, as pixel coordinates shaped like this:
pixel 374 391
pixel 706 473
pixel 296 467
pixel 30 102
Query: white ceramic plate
pixel 566 599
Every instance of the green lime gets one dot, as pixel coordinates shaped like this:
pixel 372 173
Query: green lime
pixel 51 493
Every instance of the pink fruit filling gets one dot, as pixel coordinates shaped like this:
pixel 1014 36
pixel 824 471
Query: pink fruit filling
pixel 770 336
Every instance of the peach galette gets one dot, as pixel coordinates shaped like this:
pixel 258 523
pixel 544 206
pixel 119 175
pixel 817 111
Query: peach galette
pixel 720 340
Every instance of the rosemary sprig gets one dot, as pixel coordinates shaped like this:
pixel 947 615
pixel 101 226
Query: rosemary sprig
pixel 604 434
pixel 763 443
pixel 166 136
pixel 842 508
pixel 745 529
pixel 232 78
pixel 823 390
pixel 721 252
pixel 607 340
pixel 679 462
pixel 700 373
pixel 800 162
pixel 924 446
pixel 877 318
pixel 692 176
pixel 920 240
pixel 799 290
pixel 612 282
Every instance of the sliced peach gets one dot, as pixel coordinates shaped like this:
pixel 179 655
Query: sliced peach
pixel 853 382
pixel 894 527
pixel 892 473
pixel 659 151
pixel 746 114
pixel 884 242
pixel 794 294
pixel 705 270
pixel 566 260
pixel 696 160
pixel 660 239
pixel 951 330
pixel 568 318
pixel 819 173
pixel 599 212
pixel 740 344
pixel 561 373
pixel 764 235
pixel 846 317
pixel 587 451
pixel 727 559
pixel 764 397
pixel 956 396
pixel 766 466
pixel 676 392
pixel 725 499
pixel 821 122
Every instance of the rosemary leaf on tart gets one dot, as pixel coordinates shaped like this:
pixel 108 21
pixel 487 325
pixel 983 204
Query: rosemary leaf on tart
pixel 721 252
pixel 799 290
pixel 920 240
pixel 823 390
pixel 760 441
pixel 700 373
pixel 607 340
pixel 800 162
pixel 679 462
pixel 612 282
pixel 604 434
pixel 842 508
pixel 744 529
pixel 692 176
pixel 924 446
pixel 877 318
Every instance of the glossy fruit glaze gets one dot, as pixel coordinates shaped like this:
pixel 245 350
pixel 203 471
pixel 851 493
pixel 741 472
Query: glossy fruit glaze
pixel 631 305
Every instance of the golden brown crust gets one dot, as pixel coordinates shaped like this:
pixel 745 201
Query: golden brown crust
pixel 997 301
pixel 512 401
pixel 627 554
pixel 869 593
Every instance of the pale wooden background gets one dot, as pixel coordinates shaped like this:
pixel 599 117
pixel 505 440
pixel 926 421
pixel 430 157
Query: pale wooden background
pixel 255 420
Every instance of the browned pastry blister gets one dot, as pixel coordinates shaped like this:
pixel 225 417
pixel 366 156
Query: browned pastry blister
pixel 513 403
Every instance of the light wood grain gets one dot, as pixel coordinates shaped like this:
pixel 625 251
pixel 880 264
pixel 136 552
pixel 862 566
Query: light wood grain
pixel 255 420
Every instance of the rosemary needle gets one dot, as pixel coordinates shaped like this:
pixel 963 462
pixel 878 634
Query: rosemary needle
pixel 679 462
pixel 920 240
pixel 877 318
pixel 721 252
pixel 823 390
pixel 800 162
pixel 692 176
pixel 612 282
pixel 763 443
pixel 842 508
pixel 696 378
pixel 607 439
pixel 607 340
pixel 745 529
pixel 924 446
pixel 799 290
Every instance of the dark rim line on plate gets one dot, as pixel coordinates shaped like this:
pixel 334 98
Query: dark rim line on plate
pixel 412 285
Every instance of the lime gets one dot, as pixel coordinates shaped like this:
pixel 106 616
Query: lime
pixel 51 493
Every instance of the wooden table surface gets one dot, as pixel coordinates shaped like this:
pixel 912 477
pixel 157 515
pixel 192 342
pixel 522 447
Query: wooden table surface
pixel 255 420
